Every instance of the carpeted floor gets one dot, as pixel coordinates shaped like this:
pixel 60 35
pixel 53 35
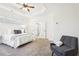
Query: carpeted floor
pixel 39 47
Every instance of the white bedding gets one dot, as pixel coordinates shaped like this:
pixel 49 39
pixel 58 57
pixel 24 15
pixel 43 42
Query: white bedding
pixel 15 40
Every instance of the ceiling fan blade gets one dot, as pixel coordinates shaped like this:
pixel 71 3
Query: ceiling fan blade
pixel 28 10
pixel 25 5
pixel 31 6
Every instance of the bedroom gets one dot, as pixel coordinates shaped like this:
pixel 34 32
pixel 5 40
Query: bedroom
pixel 22 27
pixel 44 23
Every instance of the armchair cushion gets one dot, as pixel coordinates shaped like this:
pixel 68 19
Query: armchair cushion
pixel 63 49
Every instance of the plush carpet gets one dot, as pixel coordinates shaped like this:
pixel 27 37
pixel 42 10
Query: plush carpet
pixel 38 47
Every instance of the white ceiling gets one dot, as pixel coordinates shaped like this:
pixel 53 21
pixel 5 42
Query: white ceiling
pixel 12 12
pixel 13 7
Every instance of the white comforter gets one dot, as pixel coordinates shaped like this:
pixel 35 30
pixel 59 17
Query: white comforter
pixel 15 40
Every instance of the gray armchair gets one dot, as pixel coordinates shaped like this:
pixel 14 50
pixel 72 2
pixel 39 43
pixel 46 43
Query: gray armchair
pixel 69 47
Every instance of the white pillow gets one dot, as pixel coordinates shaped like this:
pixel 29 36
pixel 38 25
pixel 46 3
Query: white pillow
pixel 58 43
pixel 22 30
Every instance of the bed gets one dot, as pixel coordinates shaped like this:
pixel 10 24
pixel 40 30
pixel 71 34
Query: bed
pixel 15 40
pixel 17 35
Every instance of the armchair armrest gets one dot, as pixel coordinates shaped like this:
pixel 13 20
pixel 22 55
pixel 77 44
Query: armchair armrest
pixel 69 52
pixel 51 46
pixel 68 49
pixel 58 48
pixel 52 43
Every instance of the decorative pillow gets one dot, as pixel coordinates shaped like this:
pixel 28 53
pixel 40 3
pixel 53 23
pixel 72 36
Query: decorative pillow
pixel 59 43
pixel 17 32
pixel 23 30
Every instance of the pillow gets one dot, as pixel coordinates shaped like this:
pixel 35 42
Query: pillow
pixel 17 32
pixel 59 43
pixel 23 30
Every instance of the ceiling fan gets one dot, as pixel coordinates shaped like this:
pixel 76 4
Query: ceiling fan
pixel 26 6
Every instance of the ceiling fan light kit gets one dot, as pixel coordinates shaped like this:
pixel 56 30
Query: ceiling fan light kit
pixel 32 9
pixel 26 7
